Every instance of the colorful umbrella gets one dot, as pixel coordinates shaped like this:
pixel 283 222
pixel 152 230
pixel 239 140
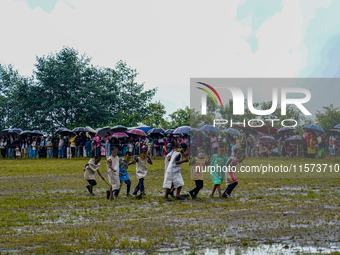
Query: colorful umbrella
pixel 137 132
pixel 120 135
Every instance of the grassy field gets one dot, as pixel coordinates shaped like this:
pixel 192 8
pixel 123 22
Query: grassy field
pixel 45 208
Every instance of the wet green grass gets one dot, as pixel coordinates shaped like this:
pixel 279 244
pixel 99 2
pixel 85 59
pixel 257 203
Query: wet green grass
pixel 45 208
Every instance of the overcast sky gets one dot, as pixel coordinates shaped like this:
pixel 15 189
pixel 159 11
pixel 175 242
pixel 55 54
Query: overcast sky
pixel 170 41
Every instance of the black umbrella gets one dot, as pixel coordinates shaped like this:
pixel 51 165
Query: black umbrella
pixel 199 131
pixel 5 131
pixel 80 129
pixel 36 132
pixel 252 132
pixel 296 139
pixel 118 128
pixel 156 131
pixel 286 129
pixel 333 132
pixel 25 133
pixel 63 131
pixel 267 139
pixel 169 131
pixel 14 131
pixel 101 132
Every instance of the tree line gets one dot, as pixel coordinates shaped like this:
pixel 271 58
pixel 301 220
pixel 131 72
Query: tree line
pixel 66 90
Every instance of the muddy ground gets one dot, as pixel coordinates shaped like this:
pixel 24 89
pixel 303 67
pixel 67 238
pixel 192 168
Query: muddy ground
pixel 45 208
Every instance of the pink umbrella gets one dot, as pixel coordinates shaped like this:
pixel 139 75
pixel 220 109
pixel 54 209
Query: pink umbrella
pixel 136 132
pixel 120 135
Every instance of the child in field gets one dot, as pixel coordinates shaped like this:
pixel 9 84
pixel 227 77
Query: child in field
pixel 173 177
pixel 90 169
pixel 141 170
pixel 124 175
pixel 218 161
pixel 166 164
pixel 196 167
pixel 112 166
pixel 231 180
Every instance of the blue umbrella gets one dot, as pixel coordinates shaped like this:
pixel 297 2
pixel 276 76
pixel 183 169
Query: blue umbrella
pixel 314 128
pixel 182 130
pixel 210 128
pixel 232 131
pixel 337 126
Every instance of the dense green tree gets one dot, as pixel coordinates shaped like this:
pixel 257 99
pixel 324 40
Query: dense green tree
pixel 66 90
pixel 156 115
pixel 181 117
pixel 329 118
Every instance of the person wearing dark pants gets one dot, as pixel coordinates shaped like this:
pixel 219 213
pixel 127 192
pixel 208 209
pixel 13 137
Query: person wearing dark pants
pixel 196 166
pixel 231 180
pixel 123 173
pixel 139 187
pixel 199 185
pixel 230 188
pixel 141 171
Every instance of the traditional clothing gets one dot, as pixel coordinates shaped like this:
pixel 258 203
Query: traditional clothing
pixel 141 168
pixel 113 163
pixel 173 174
pixel 141 172
pixel 91 169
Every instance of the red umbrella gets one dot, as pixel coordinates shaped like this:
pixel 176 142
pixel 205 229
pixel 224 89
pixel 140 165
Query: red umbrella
pixel 120 135
pixel 136 132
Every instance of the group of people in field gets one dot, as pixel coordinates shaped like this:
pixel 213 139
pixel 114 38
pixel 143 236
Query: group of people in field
pixel 83 145
pixel 118 174
pixel 313 145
